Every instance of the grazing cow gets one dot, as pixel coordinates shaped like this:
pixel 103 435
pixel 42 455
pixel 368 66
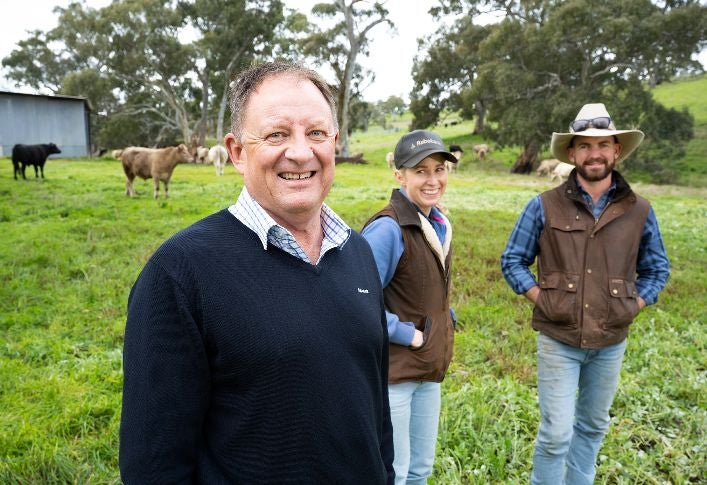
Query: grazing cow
pixel 547 166
pixel 390 160
pixel 201 155
pixel 218 156
pixel 155 163
pixel 481 150
pixel 457 151
pixel 561 172
pixel 23 155
pixel 356 158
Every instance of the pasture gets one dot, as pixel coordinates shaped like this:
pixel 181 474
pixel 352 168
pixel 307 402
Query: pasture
pixel 73 243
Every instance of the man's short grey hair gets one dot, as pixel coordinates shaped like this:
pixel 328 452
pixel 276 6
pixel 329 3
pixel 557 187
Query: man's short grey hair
pixel 249 80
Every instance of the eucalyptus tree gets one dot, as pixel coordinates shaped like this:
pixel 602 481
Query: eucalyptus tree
pixel 339 45
pixel 34 64
pixel 444 72
pixel 56 61
pixel 142 45
pixel 232 35
pixel 546 58
pixel 132 46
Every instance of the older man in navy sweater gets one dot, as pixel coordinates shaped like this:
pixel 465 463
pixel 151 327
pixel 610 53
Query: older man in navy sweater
pixel 256 348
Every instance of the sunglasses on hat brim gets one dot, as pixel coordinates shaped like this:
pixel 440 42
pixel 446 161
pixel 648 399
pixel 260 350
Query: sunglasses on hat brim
pixel 600 123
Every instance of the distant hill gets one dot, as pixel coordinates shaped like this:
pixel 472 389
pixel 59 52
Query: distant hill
pixel 689 92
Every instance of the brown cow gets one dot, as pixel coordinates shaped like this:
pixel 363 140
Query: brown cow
pixel 155 163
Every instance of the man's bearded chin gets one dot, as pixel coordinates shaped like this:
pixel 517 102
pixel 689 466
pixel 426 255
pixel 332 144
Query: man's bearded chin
pixel 588 172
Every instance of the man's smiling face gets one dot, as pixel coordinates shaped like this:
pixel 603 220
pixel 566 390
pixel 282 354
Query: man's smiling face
pixel 594 156
pixel 286 153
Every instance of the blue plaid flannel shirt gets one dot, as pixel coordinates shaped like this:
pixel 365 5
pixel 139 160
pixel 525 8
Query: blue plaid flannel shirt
pixel 653 267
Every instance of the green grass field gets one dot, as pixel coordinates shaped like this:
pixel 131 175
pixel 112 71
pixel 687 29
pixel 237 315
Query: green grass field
pixel 72 245
pixel 690 93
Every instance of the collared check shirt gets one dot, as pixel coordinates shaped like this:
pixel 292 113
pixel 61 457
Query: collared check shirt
pixel 652 266
pixel 249 212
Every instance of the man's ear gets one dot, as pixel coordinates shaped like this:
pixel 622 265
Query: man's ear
pixel 570 154
pixel 399 176
pixel 617 150
pixel 236 152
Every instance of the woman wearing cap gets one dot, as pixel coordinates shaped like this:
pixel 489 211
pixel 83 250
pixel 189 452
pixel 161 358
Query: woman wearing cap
pixel 411 242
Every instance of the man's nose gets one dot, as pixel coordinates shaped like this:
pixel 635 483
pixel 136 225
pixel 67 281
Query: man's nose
pixel 595 151
pixel 298 147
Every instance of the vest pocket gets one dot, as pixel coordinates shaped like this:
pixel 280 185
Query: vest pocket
pixel 623 303
pixel 557 299
pixel 425 335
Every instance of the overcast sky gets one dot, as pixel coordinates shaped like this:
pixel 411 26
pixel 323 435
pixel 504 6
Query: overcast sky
pixel 391 52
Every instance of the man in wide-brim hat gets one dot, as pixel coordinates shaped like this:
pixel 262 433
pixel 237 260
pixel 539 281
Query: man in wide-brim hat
pixel 600 260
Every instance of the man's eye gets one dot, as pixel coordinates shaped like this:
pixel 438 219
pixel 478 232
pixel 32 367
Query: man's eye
pixel 275 137
pixel 318 135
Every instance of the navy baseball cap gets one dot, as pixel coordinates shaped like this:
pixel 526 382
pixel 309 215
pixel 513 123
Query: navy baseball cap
pixel 418 145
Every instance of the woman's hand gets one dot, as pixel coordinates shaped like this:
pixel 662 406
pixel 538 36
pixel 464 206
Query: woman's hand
pixel 417 340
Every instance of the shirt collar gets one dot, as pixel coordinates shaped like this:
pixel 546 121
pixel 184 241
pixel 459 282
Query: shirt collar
pixel 609 194
pixel 254 217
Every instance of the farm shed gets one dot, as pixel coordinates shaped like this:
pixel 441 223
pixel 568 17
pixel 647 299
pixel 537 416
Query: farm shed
pixel 38 118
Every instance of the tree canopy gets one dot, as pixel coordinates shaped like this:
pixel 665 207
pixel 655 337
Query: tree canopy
pixel 159 71
pixel 533 70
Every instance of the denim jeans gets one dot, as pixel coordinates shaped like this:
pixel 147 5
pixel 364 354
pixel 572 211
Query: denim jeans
pixel 575 390
pixel 414 413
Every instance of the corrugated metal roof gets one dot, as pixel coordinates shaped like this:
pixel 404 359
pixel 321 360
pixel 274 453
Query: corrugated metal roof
pixel 52 96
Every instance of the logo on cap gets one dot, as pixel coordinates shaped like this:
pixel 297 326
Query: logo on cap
pixel 425 141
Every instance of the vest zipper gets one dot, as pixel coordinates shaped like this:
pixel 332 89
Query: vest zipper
pixel 584 270
pixel 580 323
pixel 596 219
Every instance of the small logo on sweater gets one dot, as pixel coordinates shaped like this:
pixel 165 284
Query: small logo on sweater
pixel 362 291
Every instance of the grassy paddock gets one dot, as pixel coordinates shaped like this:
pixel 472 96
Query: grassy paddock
pixel 73 244
pixel 688 94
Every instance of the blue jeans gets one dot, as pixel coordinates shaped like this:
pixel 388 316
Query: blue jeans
pixel 414 413
pixel 575 390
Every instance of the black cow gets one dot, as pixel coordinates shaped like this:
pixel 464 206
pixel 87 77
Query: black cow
pixel 23 155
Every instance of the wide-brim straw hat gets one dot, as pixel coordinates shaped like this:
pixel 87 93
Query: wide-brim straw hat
pixel 629 139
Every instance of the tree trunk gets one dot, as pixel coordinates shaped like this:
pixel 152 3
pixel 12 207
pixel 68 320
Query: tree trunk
pixel 526 160
pixel 345 87
pixel 480 117
pixel 224 95
pixel 202 126
pixel 221 115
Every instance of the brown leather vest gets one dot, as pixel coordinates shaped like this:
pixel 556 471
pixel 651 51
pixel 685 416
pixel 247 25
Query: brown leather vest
pixel 419 293
pixel 587 267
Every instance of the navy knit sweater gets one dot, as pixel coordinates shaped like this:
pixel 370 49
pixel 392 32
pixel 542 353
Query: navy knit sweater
pixel 251 366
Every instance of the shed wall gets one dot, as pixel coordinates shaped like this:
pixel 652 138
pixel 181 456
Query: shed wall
pixel 42 119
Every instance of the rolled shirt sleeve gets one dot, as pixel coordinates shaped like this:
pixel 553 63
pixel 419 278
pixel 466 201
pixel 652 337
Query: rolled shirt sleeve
pixel 522 247
pixel 653 267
